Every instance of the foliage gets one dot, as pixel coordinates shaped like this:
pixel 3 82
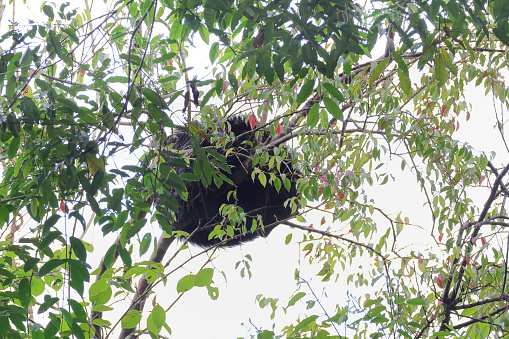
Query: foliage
pixel 89 100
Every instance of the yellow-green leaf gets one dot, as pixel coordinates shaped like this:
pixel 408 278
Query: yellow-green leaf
pixel 131 319
pixel 185 283
pixel 404 81
pixel 377 71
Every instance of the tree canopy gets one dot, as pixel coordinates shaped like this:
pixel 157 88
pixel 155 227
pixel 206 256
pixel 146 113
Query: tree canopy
pixel 350 93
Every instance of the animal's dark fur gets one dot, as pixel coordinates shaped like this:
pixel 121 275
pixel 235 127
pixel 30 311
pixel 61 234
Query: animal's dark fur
pixel 203 204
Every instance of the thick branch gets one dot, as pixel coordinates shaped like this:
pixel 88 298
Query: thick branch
pixel 143 287
pixel 449 295
pixel 482 318
pixel 503 297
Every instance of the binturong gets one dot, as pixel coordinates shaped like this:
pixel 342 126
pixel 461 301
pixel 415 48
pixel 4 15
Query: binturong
pixel 239 193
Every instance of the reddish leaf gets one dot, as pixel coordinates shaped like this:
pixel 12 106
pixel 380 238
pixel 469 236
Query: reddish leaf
pixel 474 240
pixel 258 40
pixel 443 109
pixel 278 129
pixel 440 280
pixel 421 258
pixel 323 180
pixel 252 121
pixel 82 72
pixel 341 196
pixel 308 253
pixel 225 85
pixel 440 237
pixel 467 259
pixel 483 241
pixel 62 206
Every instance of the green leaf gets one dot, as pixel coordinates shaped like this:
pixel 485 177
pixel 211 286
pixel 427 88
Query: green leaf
pixel 48 302
pixel 296 298
pixel 440 71
pixel 69 104
pixel 204 277
pixel 110 256
pixel 52 327
pixel 145 243
pixel 13 125
pixel 78 248
pixel 114 202
pixel 93 204
pixel 404 81
pixel 29 109
pixel 79 311
pixel 378 70
pixel 263 178
pixel 416 301
pixel 402 66
pixel 214 51
pixel 25 292
pixel 49 266
pixel 71 34
pixel 100 292
pixel 135 271
pixel 48 10
pixel 119 79
pixel 13 148
pixel 312 120
pixel 399 300
pixel 204 33
pixel 165 57
pixel 156 319
pixel 79 275
pixel 302 325
pixel 502 35
pixel 185 283
pixel 370 302
pixel 333 108
pixel 305 91
pixel 5 327
pixel 151 96
pixel 131 319
pixel 333 91
pixel 76 330
pixel 125 256
pixel 98 287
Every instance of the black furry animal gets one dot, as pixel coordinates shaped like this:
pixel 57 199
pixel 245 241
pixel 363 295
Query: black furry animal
pixel 200 213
